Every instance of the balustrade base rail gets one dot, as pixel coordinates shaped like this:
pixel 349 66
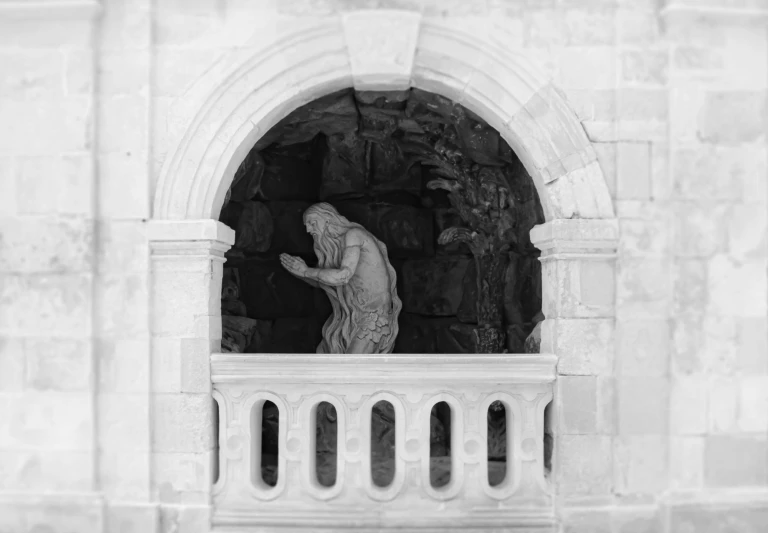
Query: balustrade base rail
pixel 353 385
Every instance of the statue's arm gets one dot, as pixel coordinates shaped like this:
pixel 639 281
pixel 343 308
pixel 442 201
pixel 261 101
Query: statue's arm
pixel 341 275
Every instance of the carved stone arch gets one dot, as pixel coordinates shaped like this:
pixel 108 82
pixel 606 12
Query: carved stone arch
pixel 242 96
pixel 249 91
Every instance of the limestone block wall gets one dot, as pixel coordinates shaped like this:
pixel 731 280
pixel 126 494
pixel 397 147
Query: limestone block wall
pixel 660 419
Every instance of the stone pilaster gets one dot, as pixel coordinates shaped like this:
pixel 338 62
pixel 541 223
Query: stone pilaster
pixel 578 275
pixel 187 267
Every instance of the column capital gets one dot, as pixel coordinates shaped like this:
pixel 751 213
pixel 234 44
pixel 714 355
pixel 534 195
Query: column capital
pixel 189 239
pixel 576 238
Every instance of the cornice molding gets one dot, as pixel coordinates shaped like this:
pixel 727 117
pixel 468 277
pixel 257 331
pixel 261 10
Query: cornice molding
pixel 740 16
pixel 190 231
pixel 576 238
pixel 57 10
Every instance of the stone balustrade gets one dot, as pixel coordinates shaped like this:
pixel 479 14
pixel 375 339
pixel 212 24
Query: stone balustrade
pixel 413 384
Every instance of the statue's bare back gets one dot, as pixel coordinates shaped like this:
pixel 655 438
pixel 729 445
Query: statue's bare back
pixel 370 281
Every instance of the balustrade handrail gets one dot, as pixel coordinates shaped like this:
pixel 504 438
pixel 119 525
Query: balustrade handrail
pixel 412 384
pixel 403 368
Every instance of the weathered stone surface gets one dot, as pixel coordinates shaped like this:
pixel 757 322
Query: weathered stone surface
pixel 480 142
pixel 633 177
pixel 392 170
pixel 248 177
pixel 230 293
pixel 240 332
pixel 254 228
pixel 290 235
pixel 464 338
pixel 419 334
pixel 585 465
pixel 642 347
pixel 640 464
pixel 60 365
pixel 735 460
pixel 433 286
pixel 344 165
pixel 295 335
pixel 515 338
pixel 744 517
pixel 378 124
pixel 332 114
pixel 577 397
pixel 732 117
pixel 467 311
pixel 533 341
pixel 287 177
pixel 643 406
pixel 268 291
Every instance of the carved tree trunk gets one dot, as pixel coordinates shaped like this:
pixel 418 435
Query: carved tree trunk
pixel 490 301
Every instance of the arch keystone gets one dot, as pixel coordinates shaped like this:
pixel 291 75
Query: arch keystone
pixel 381 45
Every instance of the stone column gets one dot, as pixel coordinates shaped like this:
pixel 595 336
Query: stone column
pixel 578 275
pixel 187 262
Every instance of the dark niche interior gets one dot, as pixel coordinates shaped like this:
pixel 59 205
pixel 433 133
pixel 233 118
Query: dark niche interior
pixel 364 153
pixel 374 156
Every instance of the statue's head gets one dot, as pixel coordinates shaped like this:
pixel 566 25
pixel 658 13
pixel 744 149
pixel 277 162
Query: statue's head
pixel 319 218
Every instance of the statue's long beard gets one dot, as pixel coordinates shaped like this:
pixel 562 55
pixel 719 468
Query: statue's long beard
pixel 328 251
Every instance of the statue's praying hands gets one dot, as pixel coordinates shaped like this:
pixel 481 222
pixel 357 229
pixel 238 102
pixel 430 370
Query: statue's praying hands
pixel 294 265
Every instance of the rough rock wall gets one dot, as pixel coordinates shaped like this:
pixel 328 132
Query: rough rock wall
pixel 362 152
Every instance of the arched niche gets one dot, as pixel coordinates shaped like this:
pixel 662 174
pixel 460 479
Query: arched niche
pixel 217 121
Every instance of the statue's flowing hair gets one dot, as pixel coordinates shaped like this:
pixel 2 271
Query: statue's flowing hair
pixel 329 248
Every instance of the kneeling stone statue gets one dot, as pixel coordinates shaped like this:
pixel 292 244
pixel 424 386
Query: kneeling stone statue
pixel 355 272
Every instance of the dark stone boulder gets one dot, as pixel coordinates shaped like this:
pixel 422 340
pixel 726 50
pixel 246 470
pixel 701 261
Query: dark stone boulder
pixel 247 180
pixel 516 336
pixel 407 231
pixel 513 310
pixel 533 342
pixel 467 311
pixel 254 228
pixel 295 335
pixel 418 334
pixel 239 332
pixel 290 234
pixel 269 291
pixel 289 178
pixel 343 169
pixel 433 287
pixel 465 338
pixel 391 170
pixel 332 114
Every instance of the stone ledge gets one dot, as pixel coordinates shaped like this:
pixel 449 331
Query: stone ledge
pixel 190 230
pixel 398 368
pixel 595 238
pixel 677 13
pixel 66 9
